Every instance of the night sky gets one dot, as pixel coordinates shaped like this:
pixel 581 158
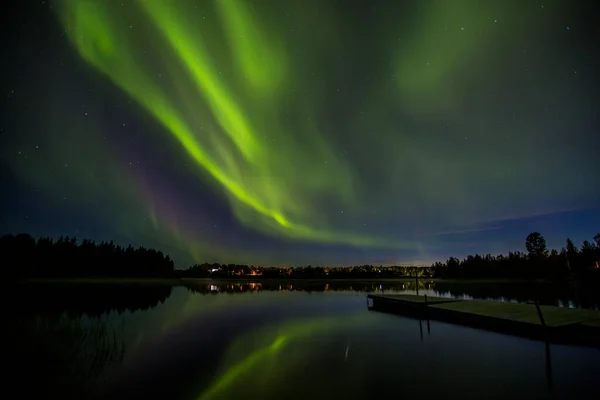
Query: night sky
pixel 299 132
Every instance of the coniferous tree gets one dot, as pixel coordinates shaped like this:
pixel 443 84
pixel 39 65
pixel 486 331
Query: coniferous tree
pixel 536 246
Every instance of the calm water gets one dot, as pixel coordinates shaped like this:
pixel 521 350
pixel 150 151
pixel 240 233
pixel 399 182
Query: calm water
pixel 232 341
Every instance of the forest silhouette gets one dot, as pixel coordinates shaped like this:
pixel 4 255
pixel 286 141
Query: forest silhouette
pixel 538 262
pixel 46 258
pixel 68 258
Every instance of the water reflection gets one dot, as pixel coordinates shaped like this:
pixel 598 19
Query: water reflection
pixel 522 292
pixel 267 339
pixel 91 299
pixel 96 299
pixel 59 357
pixel 298 344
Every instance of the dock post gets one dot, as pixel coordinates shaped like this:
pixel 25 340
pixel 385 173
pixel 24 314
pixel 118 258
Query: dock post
pixel 539 311
pixel 548 365
pixel 548 356
pixel 417 281
pixel 427 315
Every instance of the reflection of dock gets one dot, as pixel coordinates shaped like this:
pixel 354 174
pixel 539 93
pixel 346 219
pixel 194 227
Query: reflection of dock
pixel 549 323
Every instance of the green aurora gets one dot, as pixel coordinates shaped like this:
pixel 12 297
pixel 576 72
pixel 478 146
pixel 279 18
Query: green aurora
pixel 283 346
pixel 314 125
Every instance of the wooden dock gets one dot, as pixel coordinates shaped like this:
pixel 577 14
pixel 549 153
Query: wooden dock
pixel 549 323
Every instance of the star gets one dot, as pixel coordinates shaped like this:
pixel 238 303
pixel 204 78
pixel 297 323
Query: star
pixel 262 165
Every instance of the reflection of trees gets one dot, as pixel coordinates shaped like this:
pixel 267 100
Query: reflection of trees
pixel 93 299
pixel 302 286
pixel 61 358
pixel 549 294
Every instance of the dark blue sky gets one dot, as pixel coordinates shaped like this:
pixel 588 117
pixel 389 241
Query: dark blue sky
pixel 311 132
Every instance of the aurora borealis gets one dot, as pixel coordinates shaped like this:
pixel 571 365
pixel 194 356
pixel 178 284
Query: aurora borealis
pixel 303 131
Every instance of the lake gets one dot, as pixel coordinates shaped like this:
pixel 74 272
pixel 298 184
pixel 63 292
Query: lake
pixel 270 340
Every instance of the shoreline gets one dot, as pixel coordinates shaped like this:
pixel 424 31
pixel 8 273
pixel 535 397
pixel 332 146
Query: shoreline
pixel 184 281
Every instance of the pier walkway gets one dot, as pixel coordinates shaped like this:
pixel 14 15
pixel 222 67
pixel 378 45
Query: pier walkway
pixel 549 323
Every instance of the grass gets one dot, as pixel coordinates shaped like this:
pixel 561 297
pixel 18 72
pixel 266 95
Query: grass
pixel 519 312
pixel 527 313
pixel 419 299
pixel 61 357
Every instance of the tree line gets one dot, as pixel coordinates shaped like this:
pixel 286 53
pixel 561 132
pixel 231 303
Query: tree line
pixel 27 257
pixel 538 262
pixel 69 258
pixel 217 271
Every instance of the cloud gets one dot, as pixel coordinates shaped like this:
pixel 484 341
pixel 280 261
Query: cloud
pixel 468 230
